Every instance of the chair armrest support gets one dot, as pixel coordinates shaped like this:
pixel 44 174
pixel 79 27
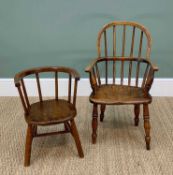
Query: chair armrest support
pixel 92 76
pixel 150 77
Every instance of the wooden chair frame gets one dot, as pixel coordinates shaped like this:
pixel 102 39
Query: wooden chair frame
pixel 69 123
pixel 147 78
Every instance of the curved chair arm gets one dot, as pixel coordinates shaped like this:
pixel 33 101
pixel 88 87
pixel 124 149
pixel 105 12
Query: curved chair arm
pixel 19 76
pixel 91 65
pixel 153 66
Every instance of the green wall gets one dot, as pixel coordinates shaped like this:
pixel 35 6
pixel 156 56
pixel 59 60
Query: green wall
pixel 63 32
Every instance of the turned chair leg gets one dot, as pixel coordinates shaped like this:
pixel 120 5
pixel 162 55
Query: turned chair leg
pixel 102 109
pixel 147 126
pixel 94 123
pixel 28 145
pixel 136 111
pixel 75 134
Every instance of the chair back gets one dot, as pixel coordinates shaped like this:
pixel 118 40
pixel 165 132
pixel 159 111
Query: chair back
pixel 124 39
pixel 72 75
pixel 123 54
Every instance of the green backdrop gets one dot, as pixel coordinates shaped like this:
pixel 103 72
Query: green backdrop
pixel 63 32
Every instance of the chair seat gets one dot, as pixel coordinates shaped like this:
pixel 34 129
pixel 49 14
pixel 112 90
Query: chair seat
pixel 119 94
pixel 50 112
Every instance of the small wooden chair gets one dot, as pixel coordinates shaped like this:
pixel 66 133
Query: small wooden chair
pixel 48 112
pixel 123 51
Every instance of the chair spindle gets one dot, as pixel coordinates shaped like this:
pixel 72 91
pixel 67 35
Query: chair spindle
pixel 22 100
pixel 145 76
pixel 69 88
pixel 25 93
pixel 105 42
pixel 106 72
pixel 56 85
pixel 131 55
pixel 38 86
pixel 75 91
pixel 132 43
pixel 124 40
pixel 140 45
pixel 114 72
pixel 122 71
pixel 98 74
pixel 106 53
pixel 123 52
pixel 137 72
pixel 114 41
pixel 130 73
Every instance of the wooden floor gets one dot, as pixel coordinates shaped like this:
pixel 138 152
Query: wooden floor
pixel 120 147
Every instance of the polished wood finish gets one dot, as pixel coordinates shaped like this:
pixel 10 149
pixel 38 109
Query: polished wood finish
pixel 120 86
pixel 48 112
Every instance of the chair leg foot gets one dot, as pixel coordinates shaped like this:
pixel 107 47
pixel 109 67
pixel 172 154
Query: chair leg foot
pixel 76 138
pixel 102 109
pixel 94 123
pixel 136 111
pixel 147 144
pixel 28 146
pixel 147 126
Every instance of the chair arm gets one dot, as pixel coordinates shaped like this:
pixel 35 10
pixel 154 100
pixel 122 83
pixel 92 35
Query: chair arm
pixel 74 73
pixel 27 72
pixel 153 66
pixel 92 77
pixel 90 66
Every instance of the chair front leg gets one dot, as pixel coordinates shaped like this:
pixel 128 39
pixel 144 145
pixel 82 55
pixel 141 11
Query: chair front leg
pixel 94 123
pixel 146 126
pixel 102 109
pixel 29 137
pixel 75 134
pixel 136 111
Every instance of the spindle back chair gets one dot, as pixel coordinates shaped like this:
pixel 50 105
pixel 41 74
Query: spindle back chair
pixel 48 111
pixel 123 72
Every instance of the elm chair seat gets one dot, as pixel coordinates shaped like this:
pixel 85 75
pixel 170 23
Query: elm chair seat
pixel 51 112
pixel 118 94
